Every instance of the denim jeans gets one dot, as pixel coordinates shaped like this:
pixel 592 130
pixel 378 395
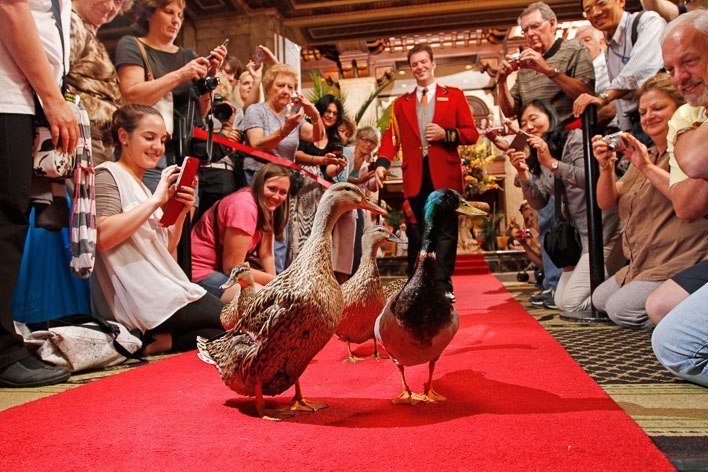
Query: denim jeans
pixel 680 340
pixel 551 273
pixel 212 282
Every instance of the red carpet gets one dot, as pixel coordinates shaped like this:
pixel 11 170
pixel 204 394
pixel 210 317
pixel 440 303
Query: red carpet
pixel 517 401
pixel 471 264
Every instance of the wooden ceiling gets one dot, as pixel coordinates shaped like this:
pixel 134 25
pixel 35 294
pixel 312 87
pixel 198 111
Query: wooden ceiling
pixel 314 22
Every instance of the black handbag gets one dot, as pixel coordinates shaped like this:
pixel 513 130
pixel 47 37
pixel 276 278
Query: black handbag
pixel 562 242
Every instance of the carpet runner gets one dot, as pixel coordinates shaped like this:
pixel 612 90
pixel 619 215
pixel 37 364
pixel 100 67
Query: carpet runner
pixel 471 264
pixel 517 401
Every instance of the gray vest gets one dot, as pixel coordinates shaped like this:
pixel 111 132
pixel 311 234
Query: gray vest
pixel 425 117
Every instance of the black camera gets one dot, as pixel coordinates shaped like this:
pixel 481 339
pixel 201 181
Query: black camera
pixel 206 84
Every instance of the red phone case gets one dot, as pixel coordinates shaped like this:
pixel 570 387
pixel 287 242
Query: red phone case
pixel 186 177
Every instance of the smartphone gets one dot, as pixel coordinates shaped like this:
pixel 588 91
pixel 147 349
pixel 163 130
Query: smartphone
pixel 295 104
pixel 519 141
pixel 186 176
pixel 225 43
pixel 257 57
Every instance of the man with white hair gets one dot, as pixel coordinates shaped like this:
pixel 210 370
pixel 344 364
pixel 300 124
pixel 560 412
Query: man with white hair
pixel 594 41
pixel 681 337
pixel 550 69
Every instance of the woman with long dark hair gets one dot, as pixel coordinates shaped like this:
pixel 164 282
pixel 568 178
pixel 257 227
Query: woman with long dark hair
pixel 556 153
pixel 242 227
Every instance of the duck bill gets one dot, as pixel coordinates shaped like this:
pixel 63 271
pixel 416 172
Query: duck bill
pixel 468 209
pixel 367 204
pixel 394 239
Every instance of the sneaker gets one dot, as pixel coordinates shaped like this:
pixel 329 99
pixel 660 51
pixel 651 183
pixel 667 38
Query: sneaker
pixel 31 372
pixel 450 296
pixel 537 300
pixel 550 303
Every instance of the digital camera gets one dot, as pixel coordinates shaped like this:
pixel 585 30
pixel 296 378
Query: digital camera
pixel 515 60
pixel 614 141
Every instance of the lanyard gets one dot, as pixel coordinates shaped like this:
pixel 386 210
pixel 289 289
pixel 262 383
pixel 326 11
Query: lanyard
pixel 624 57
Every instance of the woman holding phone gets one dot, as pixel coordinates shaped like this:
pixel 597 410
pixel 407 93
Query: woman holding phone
pixel 172 67
pixel 136 279
pixel 557 153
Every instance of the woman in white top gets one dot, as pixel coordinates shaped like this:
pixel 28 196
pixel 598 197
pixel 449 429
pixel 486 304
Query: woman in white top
pixel 136 278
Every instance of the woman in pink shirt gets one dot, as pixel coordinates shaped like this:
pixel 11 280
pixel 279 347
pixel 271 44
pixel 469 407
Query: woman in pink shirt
pixel 246 223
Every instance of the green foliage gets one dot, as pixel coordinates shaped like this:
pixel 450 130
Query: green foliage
pixel 490 229
pixel 394 218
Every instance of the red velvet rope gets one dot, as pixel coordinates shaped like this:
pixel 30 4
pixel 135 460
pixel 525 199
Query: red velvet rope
pixel 202 134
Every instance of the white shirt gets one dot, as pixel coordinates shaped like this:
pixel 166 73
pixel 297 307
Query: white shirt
pixel 431 89
pixel 138 282
pixel 16 96
pixel 630 65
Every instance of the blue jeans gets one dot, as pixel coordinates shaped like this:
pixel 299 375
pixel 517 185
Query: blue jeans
pixel 551 273
pixel 212 282
pixel 680 340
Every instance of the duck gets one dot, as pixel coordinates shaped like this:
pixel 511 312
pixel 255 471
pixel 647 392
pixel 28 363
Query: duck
pixel 418 322
pixel 363 294
pixel 290 319
pixel 240 274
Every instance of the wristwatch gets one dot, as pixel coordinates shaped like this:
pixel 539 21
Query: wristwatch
pixel 554 167
pixel 554 73
pixel 605 97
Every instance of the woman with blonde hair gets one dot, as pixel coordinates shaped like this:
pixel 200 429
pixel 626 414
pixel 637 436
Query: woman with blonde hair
pixel 277 126
pixel 655 241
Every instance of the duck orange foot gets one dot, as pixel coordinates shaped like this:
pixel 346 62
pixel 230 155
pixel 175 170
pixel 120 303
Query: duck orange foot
pixel 408 398
pixel 308 406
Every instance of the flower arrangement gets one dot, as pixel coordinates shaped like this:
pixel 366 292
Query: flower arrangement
pixel 475 169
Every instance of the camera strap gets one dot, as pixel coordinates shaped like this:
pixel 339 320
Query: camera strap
pixel 203 134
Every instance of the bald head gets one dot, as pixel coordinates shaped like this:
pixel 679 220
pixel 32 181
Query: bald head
pixel 683 47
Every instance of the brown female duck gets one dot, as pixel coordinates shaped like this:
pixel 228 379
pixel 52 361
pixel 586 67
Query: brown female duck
pixel 231 313
pixel 363 294
pixel 291 319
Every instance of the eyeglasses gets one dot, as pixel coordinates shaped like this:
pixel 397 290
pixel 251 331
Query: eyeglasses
pixel 368 141
pixel 599 5
pixel 331 112
pixel 533 27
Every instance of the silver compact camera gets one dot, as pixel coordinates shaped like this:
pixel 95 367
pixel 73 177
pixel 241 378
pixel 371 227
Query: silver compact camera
pixel 614 141
pixel 515 60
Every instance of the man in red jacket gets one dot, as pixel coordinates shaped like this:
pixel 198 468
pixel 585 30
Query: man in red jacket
pixel 427 125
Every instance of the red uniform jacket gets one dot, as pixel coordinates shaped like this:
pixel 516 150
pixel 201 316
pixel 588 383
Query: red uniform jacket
pixel 453 114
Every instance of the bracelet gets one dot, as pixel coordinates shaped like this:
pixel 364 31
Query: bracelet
pixel 312 160
pixel 611 160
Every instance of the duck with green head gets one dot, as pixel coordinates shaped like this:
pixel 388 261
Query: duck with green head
pixel 418 322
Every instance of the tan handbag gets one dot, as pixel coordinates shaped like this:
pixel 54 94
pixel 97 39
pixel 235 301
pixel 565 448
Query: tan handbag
pixel 165 105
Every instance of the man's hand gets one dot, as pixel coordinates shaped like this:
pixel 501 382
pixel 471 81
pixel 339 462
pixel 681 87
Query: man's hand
pixel 380 176
pixel 63 125
pixel 533 60
pixel 434 133
pixel 583 101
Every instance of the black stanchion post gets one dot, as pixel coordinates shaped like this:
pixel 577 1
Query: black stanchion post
pixel 595 241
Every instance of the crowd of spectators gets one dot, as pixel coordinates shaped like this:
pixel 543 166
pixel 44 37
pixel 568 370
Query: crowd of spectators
pixel 654 215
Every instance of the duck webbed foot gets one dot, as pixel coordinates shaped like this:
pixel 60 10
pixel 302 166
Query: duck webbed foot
pixel 378 355
pixel 300 404
pixel 406 396
pixel 270 414
pixel 431 395
pixel 352 358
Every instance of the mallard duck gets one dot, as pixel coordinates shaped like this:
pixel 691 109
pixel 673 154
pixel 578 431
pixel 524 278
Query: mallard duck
pixel 363 294
pixel 291 319
pixel 417 323
pixel 240 274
